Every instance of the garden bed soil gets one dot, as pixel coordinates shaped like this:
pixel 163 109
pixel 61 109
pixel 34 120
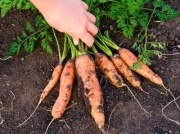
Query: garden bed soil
pixel 23 77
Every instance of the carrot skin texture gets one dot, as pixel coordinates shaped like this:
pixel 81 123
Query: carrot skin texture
pixel 108 69
pixel 90 88
pixel 126 71
pixel 129 58
pixel 52 82
pixel 66 83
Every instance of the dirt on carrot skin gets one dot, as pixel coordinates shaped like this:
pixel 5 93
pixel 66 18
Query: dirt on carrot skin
pixel 23 77
pixel 90 89
pixel 125 71
pixel 108 69
pixel 65 89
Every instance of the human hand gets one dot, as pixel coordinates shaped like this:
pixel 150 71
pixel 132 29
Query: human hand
pixel 71 17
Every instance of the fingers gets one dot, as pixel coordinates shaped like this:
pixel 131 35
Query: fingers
pixel 85 5
pixel 91 17
pixel 86 34
pixel 92 29
pixel 88 39
pixel 75 39
pixel 87 29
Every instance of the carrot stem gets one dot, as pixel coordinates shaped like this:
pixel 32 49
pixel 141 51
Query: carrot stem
pixel 72 47
pixel 58 46
pixel 106 39
pixel 93 48
pixel 46 27
pixel 104 48
pixel 65 48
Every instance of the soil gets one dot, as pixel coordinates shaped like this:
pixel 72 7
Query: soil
pixel 23 77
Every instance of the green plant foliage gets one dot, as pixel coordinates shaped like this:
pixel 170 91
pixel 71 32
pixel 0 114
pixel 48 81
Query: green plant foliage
pixel 95 1
pixel 146 51
pixel 7 5
pixel 29 37
pixel 142 19
pixel 128 14
pixel 167 13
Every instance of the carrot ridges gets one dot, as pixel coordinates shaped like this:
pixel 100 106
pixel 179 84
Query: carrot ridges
pixel 126 72
pixel 108 69
pixel 65 89
pixel 90 88
pixel 52 82
pixel 129 58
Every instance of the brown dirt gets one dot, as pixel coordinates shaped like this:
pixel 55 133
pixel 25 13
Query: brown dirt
pixel 23 77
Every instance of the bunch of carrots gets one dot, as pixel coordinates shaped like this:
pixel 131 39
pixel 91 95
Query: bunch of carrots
pixel 82 64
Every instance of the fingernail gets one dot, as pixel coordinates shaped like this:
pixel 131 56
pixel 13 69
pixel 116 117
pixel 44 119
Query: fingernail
pixel 90 46
pixel 76 41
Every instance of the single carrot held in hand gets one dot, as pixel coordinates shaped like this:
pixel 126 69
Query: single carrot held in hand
pixel 91 89
pixel 126 72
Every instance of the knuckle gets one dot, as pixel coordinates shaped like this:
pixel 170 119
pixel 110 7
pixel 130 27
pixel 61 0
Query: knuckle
pixel 83 33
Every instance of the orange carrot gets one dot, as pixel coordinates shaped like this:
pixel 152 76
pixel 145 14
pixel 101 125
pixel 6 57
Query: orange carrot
pixel 52 82
pixel 126 72
pixel 66 83
pixel 65 89
pixel 129 58
pixel 108 69
pixel 91 89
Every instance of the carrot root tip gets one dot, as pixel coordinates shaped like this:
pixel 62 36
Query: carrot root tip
pixel 29 116
pixel 166 107
pixel 137 101
pixel 140 88
pixel 49 125
pixel 171 95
